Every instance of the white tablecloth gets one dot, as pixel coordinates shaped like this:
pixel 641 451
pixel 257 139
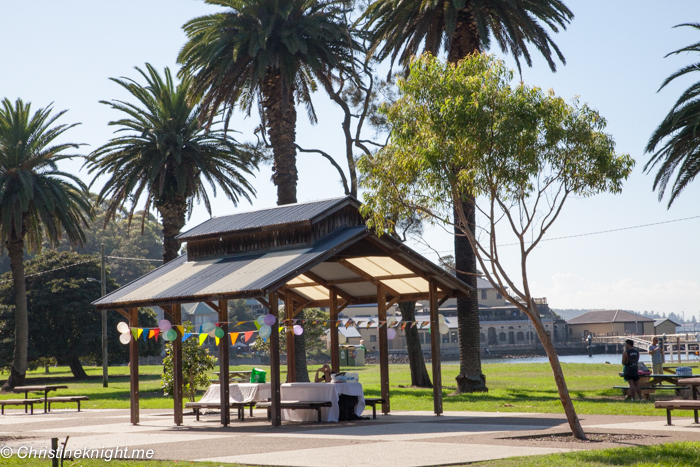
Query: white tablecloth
pixel 320 392
pixel 239 392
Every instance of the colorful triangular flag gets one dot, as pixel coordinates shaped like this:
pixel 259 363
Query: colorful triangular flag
pixel 151 333
pixel 217 340
pixel 186 336
pixel 156 333
pixel 248 335
pixel 181 329
pixel 202 338
pixel 234 337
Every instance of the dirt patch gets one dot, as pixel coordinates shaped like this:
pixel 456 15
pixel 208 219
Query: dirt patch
pixel 592 438
pixel 10 438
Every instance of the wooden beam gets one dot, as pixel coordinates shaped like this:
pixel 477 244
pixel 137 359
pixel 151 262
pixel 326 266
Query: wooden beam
pixel 435 348
pixel 369 277
pixel 444 299
pixel 134 367
pixel 393 301
pixel 177 366
pixel 214 307
pixel 326 283
pixel 342 307
pixel 353 280
pixel 275 363
pixel 289 313
pixel 222 308
pixel 383 347
pixel 299 298
pixel 124 313
pixel 335 343
pixel 263 302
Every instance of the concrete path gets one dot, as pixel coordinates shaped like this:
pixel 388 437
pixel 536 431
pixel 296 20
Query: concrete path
pixel 400 439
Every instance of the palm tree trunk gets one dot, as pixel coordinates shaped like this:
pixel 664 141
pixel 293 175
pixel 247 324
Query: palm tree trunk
pixel 76 367
pixel 281 118
pixel 173 215
pixel 470 377
pixel 465 41
pixel 15 250
pixel 419 373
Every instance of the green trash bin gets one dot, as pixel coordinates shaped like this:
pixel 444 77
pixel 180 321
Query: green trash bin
pixel 343 355
pixel 352 355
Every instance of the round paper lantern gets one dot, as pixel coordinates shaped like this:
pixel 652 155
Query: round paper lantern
pixel 164 325
pixel 265 331
pixel 269 319
pixel 123 328
pixel 341 338
pixel 441 319
pixel 390 333
pixel 444 329
pixel 298 330
pixel 208 327
pixel 171 335
pixel 218 332
pixel 125 338
pixel 261 320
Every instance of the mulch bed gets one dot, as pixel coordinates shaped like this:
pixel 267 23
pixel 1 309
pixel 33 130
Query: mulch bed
pixel 592 438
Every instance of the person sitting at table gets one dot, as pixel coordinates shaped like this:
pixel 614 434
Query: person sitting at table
pixel 657 362
pixel 630 371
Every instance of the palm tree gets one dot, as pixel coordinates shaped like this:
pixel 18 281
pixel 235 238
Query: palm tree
pixel 273 52
pixel 675 144
pixel 399 28
pixel 166 155
pixel 37 202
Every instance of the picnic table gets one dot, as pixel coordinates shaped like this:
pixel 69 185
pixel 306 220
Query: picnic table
pixel 652 383
pixel 45 389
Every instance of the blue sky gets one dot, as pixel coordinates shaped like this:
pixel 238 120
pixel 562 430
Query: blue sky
pixel 64 52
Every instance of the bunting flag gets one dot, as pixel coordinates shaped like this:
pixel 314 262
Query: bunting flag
pixel 180 328
pixel 201 328
pixel 217 340
pixel 248 335
pixel 348 323
pixel 337 324
pixel 257 325
pixel 369 323
pixel 239 323
pixel 156 333
pixel 186 336
pixel 381 324
pixel 202 338
pixel 234 337
pixel 403 326
pixel 281 327
pixel 151 333
pixel 145 336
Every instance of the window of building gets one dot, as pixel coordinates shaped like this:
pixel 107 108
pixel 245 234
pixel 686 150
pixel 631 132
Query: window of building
pixel 484 294
pixel 498 295
pixel 373 338
pixel 502 337
pixel 455 337
pixel 445 338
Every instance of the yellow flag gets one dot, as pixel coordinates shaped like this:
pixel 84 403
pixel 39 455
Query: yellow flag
pixel 202 338
pixel 217 340
pixel 140 331
pixel 181 329
pixel 281 327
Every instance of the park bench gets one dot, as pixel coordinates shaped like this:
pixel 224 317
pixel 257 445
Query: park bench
pixel 198 406
pixel 693 405
pixel 24 402
pixel 67 399
pixel 648 390
pixel 373 401
pixel 295 405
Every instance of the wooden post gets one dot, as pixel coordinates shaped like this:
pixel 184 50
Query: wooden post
pixel 335 344
pixel 275 362
pixel 134 367
pixel 177 365
pixel 435 348
pixel 678 347
pixel 383 347
pixel 223 364
pixel 291 356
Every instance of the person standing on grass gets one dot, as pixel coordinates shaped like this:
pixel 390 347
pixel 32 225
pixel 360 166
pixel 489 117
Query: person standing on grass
pixel 657 362
pixel 630 371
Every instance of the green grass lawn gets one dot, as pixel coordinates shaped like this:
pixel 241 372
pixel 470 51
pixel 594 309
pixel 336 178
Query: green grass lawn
pixel 665 455
pixel 523 387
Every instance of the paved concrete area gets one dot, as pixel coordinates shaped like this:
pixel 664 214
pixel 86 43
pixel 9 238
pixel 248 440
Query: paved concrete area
pixel 409 439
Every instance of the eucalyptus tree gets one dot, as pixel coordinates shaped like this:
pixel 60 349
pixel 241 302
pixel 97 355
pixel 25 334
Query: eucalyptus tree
pixel 163 153
pixel 675 144
pixel 273 53
pixel 38 202
pixel 400 29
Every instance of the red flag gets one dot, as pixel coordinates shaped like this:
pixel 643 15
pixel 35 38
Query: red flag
pixel 156 332
pixel 248 335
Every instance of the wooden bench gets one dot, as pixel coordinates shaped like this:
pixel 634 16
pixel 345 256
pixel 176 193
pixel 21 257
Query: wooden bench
pixel 197 406
pixel 24 402
pixel 649 390
pixel 297 405
pixel 373 401
pixel 678 405
pixel 67 399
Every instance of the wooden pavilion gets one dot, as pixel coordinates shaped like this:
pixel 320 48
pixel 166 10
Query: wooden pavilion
pixel 316 254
